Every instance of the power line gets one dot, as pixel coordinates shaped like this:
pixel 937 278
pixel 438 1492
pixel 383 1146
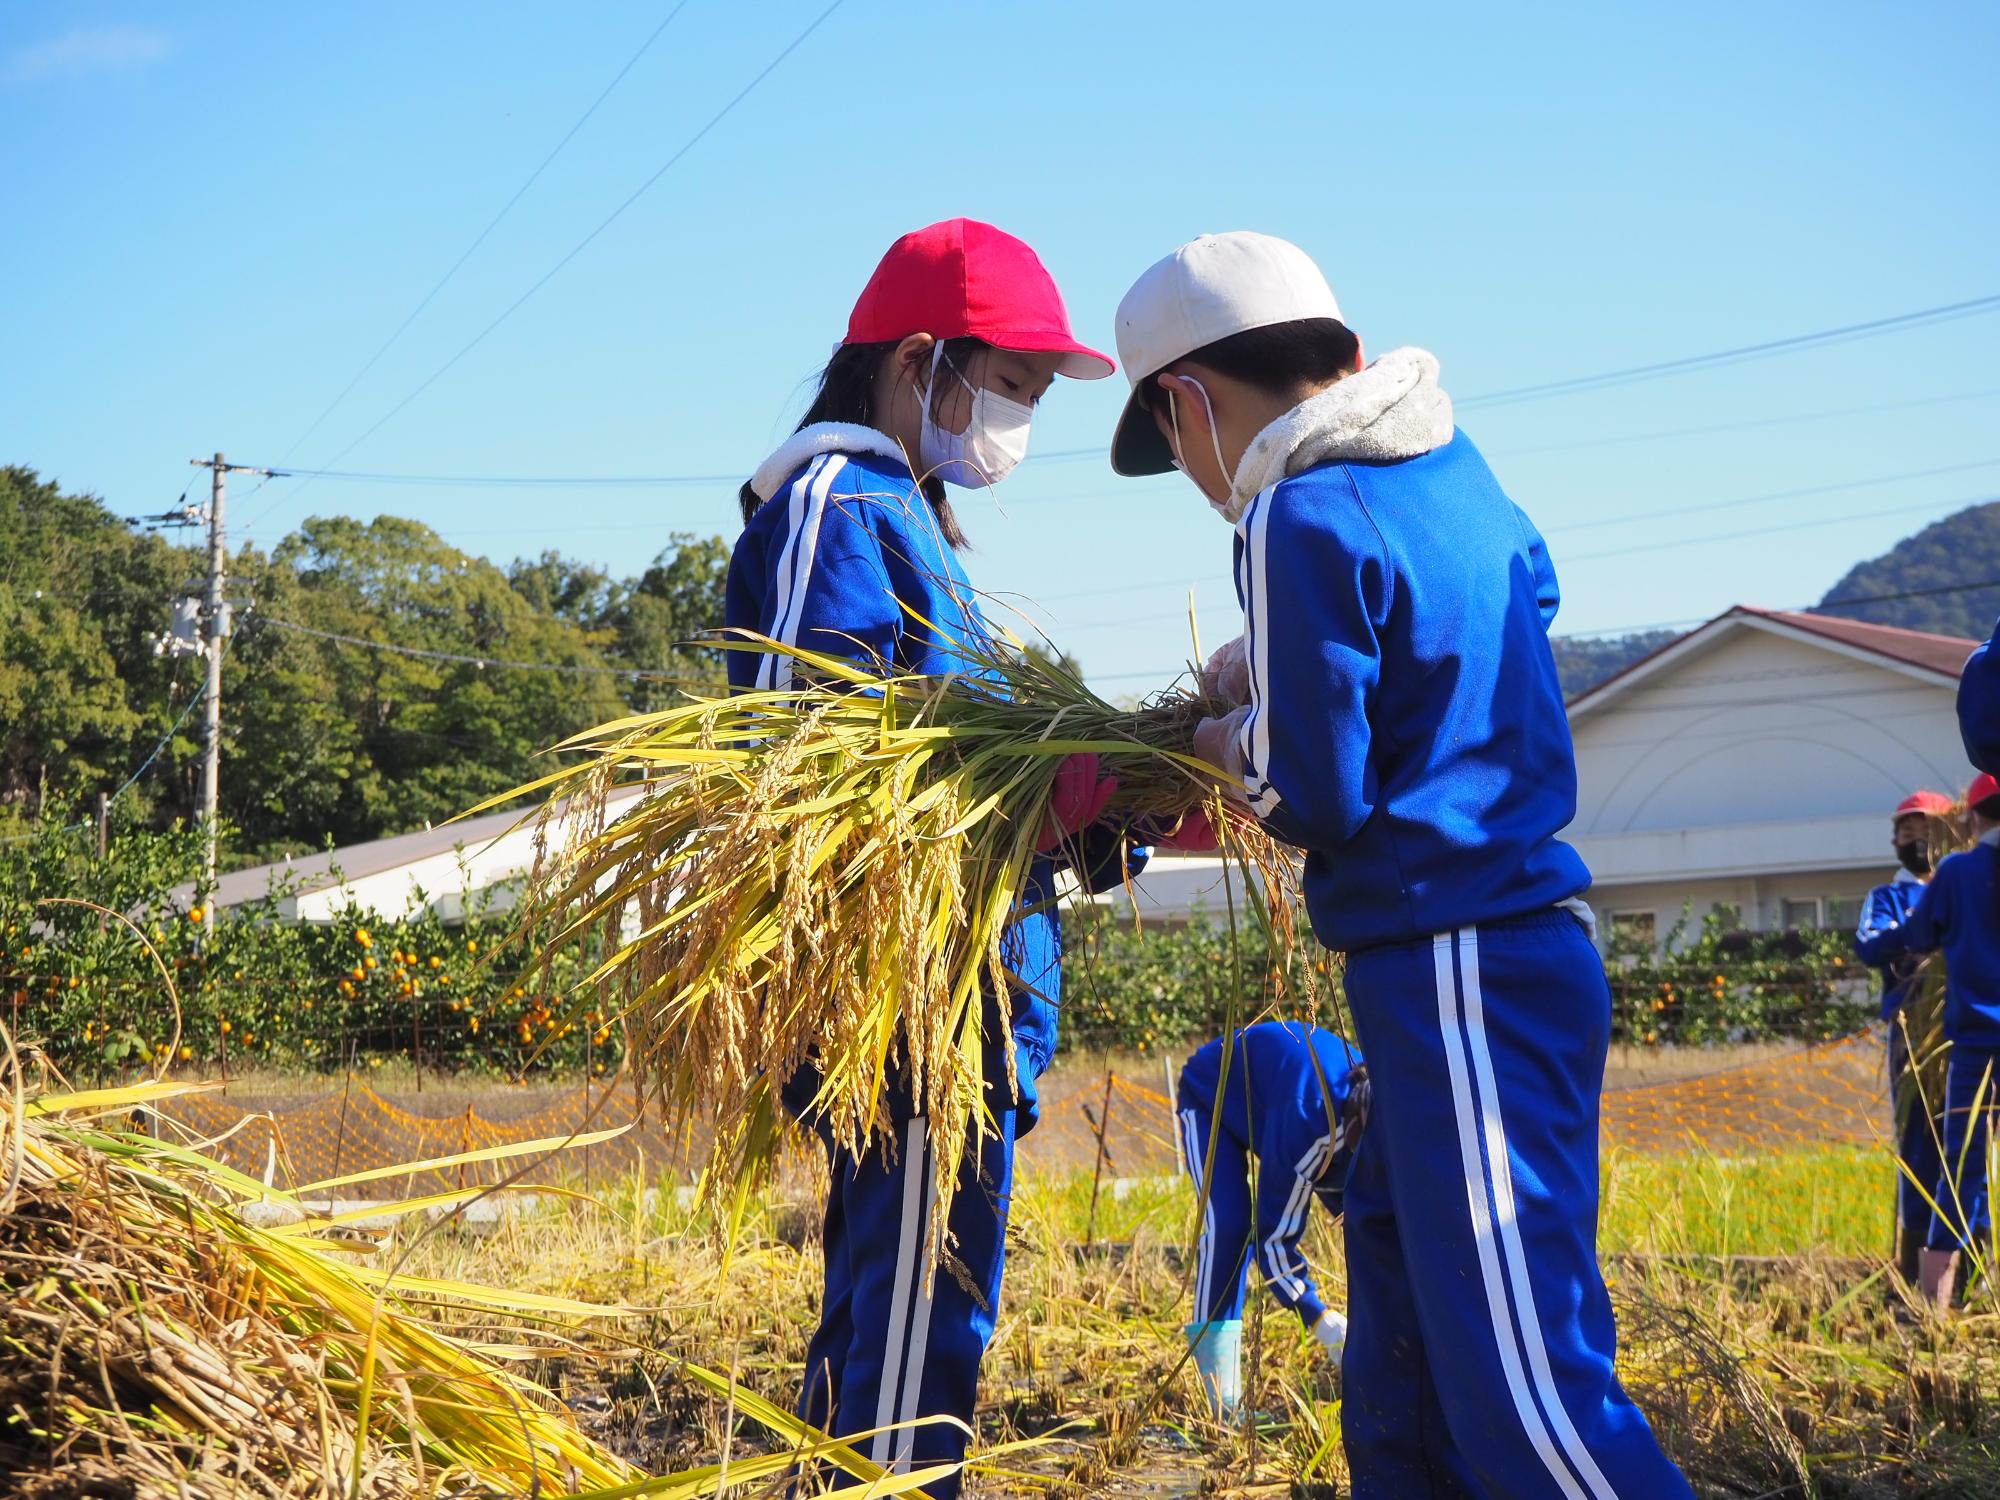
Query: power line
pixel 1653 625
pixel 1756 423
pixel 581 245
pixel 201 695
pixel 480 238
pixel 1795 494
pixel 506 481
pixel 1943 588
pixel 1875 327
pixel 1062 455
pixel 1806 525
pixel 1709 505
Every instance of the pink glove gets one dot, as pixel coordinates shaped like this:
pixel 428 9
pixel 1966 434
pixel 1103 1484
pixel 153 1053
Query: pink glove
pixel 1220 743
pixel 1079 800
pixel 1196 835
pixel 1227 675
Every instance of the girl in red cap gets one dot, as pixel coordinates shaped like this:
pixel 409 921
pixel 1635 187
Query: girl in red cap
pixel 1877 943
pixel 850 547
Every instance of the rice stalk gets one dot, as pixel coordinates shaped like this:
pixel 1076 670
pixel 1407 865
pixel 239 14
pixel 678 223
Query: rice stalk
pixel 828 876
pixel 154 1341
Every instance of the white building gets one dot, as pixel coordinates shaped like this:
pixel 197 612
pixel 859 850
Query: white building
pixel 480 861
pixel 1754 763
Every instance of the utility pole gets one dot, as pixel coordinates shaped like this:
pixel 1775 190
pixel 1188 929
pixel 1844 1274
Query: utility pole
pixel 215 630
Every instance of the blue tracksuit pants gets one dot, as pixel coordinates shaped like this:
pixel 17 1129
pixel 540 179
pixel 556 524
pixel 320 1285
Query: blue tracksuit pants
pixel 1916 1144
pixel 1480 1340
pixel 1963 1217
pixel 893 1342
pixel 1229 1223
pixel 1222 1253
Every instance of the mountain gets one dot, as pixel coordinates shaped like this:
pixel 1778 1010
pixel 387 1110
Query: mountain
pixel 1945 580
pixel 1926 577
pixel 1583 663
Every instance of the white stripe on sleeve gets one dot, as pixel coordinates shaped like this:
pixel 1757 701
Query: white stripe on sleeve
pixel 1255 742
pixel 807 508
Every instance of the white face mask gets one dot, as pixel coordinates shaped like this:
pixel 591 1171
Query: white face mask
pixel 994 441
pixel 1226 507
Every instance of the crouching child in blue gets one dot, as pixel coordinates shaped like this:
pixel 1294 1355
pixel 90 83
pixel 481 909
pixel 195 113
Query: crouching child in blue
pixel 1294 1099
pixel 1959 912
pixel 1404 726
pixel 845 551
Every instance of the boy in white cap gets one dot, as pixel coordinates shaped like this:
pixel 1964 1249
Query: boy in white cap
pixel 1402 723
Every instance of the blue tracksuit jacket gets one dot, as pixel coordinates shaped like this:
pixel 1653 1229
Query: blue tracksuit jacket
pixel 1286 1103
pixel 1406 726
pixel 1408 730
pixel 846 559
pixel 1959 912
pixel 1979 707
pixel 1877 942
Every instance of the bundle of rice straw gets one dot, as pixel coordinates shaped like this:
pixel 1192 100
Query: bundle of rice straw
pixel 824 875
pixel 153 1342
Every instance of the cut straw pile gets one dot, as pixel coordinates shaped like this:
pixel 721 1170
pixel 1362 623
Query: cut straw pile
pixel 154 1343
pixel 826 876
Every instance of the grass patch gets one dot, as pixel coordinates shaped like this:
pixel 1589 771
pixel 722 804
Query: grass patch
pixel 1828 1201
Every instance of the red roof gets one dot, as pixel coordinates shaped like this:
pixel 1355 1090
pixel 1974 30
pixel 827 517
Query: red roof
pixel 1944 654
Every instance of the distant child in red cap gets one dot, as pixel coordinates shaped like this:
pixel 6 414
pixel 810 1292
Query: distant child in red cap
pixel 850 548
pixel 1959 912
pixel 1877 942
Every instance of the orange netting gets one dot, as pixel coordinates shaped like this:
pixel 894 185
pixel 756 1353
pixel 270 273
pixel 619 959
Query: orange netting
pixel 292 1144
pixel 1835 1093
pixel 1829 1094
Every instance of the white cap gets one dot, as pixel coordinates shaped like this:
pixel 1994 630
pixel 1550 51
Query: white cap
pixel 1210 288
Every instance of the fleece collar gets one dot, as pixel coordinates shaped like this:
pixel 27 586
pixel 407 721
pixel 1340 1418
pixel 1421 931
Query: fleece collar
pixel 810 442
pixel 1392 410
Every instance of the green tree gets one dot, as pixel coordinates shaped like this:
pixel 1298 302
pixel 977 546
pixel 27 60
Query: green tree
pixel 657 623
pixel 81 597
pixel 1583 663
pixel 325 739
pixel 332 739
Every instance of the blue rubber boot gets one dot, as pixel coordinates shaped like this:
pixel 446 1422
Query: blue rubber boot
pixel 1218 1360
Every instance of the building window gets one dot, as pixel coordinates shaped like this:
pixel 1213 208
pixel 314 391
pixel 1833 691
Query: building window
pixel 1843 913
pixel 1633 931
pixel 1799 913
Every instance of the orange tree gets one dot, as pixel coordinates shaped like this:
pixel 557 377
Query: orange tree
pixel 259 991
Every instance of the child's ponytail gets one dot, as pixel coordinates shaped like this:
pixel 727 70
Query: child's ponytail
pixel 847 394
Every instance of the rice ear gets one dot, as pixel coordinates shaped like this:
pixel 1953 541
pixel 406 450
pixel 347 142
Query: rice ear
pixel 825 877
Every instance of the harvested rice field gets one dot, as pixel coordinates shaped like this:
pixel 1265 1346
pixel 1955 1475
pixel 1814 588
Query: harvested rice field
pixel 1762 1334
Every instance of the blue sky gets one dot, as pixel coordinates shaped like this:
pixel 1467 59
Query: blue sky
pixel 216 214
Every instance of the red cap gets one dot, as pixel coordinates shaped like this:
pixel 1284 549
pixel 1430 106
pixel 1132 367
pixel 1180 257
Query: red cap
pixel 1932 804
pixel 965 279
pixel 1983 786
